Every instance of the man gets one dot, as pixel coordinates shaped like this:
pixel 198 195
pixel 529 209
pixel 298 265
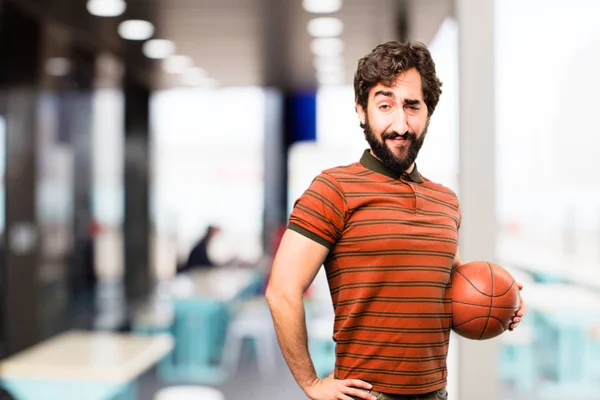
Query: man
pixel 198 257
pixel 388 239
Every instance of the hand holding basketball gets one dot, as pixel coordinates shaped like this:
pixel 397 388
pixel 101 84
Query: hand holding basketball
pixel 520 312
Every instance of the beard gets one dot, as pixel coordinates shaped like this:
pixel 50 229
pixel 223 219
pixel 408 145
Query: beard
pixel 386 156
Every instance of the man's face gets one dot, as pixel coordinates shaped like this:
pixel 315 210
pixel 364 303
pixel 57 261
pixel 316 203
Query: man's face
pixel 396 120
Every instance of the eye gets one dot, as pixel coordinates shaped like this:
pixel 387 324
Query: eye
pixel 384 107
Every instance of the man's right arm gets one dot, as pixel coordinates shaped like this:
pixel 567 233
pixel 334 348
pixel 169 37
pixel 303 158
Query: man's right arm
pixel 296 264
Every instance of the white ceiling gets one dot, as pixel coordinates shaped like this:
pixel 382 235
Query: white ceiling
pixel 231 38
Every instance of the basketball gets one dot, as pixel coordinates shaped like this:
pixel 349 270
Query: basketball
pixel 485 298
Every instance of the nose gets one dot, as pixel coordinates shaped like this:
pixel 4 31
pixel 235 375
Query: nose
pixel 399 124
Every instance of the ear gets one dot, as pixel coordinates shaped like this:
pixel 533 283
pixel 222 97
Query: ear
pixel 362 115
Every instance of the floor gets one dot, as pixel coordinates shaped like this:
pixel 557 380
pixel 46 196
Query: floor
pixel 247 384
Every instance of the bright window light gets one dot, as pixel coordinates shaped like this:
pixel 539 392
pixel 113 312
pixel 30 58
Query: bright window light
pixel 106 8
pixel 136 29
pixel 158 48
pixel 325 27
pixel 177 64
pixel 327 47
pixel 322 6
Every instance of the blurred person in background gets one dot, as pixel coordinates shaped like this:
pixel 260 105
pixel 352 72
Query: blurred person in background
pixel 90 275
pixel 198 257
pixel 84 278
pixel 388 238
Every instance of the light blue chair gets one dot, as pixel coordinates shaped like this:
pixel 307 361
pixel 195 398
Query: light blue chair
pixel 251 324
pixel 517 359
pixel 544 277
pixel 594 354
pixel 198 330
pixel 571 347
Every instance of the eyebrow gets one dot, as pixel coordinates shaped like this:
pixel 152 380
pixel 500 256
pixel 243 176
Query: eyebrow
pixel 386 93
pixel 412 102
pixel 389 93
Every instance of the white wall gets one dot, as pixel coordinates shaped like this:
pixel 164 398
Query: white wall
pixel 207 155
pixel 547 63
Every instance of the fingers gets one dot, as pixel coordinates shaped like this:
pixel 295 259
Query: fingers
pixel 515 321
pixel 361 394
pixel 351 386
pixel 357 383
pixel 522 310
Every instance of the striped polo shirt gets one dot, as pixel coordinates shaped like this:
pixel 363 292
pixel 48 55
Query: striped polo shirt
pixel 392 239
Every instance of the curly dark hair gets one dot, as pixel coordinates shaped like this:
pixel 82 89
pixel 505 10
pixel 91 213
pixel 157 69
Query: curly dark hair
pixel 390 59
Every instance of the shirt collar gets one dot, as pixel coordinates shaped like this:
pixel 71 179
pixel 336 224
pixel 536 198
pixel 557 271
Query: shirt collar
pixel 372 163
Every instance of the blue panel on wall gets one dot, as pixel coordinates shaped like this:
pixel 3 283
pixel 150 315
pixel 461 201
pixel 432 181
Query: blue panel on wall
pixel 303 116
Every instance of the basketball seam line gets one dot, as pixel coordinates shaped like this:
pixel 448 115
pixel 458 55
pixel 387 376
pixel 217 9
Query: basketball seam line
pixel 474 318
pixel 481 305
pixel 487 321
pixel 485 294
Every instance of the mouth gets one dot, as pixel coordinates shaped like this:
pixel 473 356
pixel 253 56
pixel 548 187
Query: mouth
pixel 397 139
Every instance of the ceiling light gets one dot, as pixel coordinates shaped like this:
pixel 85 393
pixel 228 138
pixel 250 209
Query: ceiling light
pixel 177 64
pixel 210 83
pixel 330 80
pixel 106 8
pixel 328 63
pixel 57 66
pixel 329 75
pixel 158 48
pixel 322 6
pixel 198 81
pixel 193 76
pixel 136 29
pixel 326 47
pixel 325 27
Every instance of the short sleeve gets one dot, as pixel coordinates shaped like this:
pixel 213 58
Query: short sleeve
pixel 320 213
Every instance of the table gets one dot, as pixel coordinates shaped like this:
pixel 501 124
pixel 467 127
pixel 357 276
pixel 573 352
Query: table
pixel 80 365
pixel 220 283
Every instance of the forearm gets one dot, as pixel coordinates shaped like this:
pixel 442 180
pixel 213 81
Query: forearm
pixel 290 324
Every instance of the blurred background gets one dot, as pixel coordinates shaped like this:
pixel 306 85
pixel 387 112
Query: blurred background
pixel 151 151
